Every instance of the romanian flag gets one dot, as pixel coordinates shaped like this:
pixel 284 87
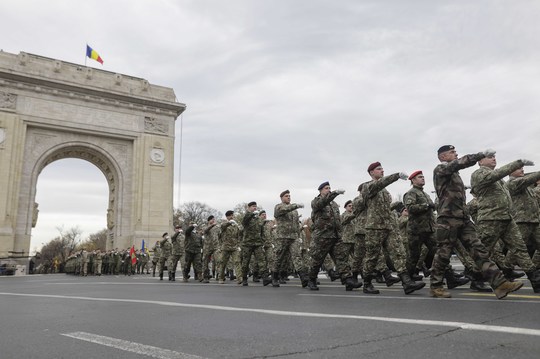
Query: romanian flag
pixel 91 53
pixel 133 255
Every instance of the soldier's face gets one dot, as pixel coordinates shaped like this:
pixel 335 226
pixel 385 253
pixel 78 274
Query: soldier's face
pixel 325 190
pixel 448 156
pixel 419 180
pixel 348 208
pixel 489 162
pixel 252 208
pixel 377 173
pixel 518 173
pixel 286 199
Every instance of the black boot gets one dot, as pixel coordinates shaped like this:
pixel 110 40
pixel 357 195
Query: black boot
pixel 312 284
pixel 389 279
pixel 333 275
pixel 511 274
pixel 244 281
pixel 282 278
pixel 480 286
pixel 452 281
pixel 416 275
pixel 231 275
pixel 534 277
pixel 275 279
pixel 426 270
pixel 266 280
pixel 368 287
pixel 173 275
pixel 350 284
pixel 256 277
pixel 170 276
pixel 408 285
pixel 160 276
pixel 303 278
pixel 379 278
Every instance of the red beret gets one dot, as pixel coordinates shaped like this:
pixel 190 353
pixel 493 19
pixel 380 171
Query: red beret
pixel 373 166
pixel 414 174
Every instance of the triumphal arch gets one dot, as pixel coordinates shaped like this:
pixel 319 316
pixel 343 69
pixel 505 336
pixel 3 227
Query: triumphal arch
pixel 50 110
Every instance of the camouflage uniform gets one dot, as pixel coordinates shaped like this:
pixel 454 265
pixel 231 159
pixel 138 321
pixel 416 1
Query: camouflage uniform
pixel 420 225
pixel 252 243
pixel 178 250
pixel 84 263
pixel 526 212
pixel 210 246
pixel 193 248
pixel 270 245
pixel 494 218
pixel 165 258
pixel 454 224
pixel 326 237
pixel 287 232
pixel 98 261
pixel 156 253
pixel 229 238
pixel 350 242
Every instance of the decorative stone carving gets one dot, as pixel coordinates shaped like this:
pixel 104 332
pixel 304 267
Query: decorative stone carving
pixel 157 155
pixel 8 100
pixel 155 125
pixel 110 218
pixel 35 214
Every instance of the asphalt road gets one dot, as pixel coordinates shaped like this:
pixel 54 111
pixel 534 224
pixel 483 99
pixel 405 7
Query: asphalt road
pixel 63 316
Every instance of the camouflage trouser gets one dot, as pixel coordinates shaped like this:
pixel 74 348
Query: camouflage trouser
pixel 451 230
pixel 415 249
pixel 97 267
pixel 270 256
pixel 176 258
pixel 530 232
pixel 207 257
pixel 258 252
pixel 328 262
pixel 299 257
pixel 320 247
pixel 231 255
pixel 355 259
pixel 391 245
pixel 361 243
pixel 283 254
pixel 165 261
pixel 193 259
pixel 490 232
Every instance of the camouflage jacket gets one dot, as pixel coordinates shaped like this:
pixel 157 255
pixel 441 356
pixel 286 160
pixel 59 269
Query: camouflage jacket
pixel 268 234
pixel 193 241
pixel 156 253
pixel 526 208
pixel 166 248
pixel 450 188
pixel 325 217
pixel 253 227
pixel 403 224
pixel 378 199
pixel 287 220
pixel 229 236
pixel 178 243
pixel 472 208
pixel 420 207
pixel 348 223
pixel 359 210
pixel 211 237
pixel 494 201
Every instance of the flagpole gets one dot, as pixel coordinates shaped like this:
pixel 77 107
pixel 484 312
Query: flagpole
pixel 180 160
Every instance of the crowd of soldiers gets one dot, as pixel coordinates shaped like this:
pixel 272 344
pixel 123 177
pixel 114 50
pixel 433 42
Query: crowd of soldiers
pixel 111 262
pixel 374 237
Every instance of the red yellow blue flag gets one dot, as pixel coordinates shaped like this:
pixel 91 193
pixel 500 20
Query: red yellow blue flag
pixel 91 53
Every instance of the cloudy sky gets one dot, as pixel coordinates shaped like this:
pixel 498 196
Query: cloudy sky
pixel 288 94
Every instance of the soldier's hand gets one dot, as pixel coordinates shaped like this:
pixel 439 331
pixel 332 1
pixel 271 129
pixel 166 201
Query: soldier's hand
pixel 255 212
pixel 232 221
pixel 527 162
pixel 490 152
pixel 300 205
pixel 340 191
pixel 239 249
pixel 194 225
pixel 403 175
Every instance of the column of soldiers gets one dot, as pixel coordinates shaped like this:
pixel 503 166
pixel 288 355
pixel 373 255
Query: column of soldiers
pixel 374 237
pixel 111 262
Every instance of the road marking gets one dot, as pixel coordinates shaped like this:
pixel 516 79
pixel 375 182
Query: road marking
pixel 490 295
pixel 462 325
pixel 132 347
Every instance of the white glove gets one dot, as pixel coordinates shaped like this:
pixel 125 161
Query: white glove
pixel 255 212
pixel 239 249
pixel 194 225
pixel 304 226
pixel 273 246
pixel 490 152
pixel 201 250
pixel 340 191
pixel 300 205
pixel 232 221
pixel 403 175
pixel 527 162
pixel 181 231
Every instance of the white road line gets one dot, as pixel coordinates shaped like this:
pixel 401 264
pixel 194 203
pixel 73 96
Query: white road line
pixel 490 300
pixel 131 347
pixel 436 323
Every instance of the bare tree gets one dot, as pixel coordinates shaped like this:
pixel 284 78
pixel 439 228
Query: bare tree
pixel 195 212
pixel 96 240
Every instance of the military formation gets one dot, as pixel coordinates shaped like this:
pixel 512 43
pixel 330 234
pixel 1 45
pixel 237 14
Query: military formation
pixel 373 238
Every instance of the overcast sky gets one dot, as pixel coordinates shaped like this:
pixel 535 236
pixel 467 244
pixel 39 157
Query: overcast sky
pixel 288 94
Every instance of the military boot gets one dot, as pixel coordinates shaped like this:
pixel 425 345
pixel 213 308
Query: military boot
pixel 389 279
pixel 511 274
pixel 416 275
pixel 275 279
pixel 303 278
pixel 368 287
pixel 452 281
pixel 379 278
pixel 160 276
pixel 231 275
pixel 312 284
pixel 266 280
pixel 507 287
pixel 256 278
pixel 439 293
pixel 173 275
pixel 282 277
pixel 333 275
pixel 426 270
pixel 244 281
pixel 480 286
pixel 350 284
pixel 170 276
pixel 534 278
pixel 408 285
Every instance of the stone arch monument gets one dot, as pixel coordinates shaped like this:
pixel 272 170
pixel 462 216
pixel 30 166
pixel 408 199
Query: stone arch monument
pixel 50 110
